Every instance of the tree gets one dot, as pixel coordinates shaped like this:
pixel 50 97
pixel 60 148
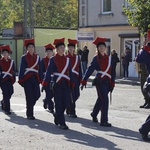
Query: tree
pixel 56 13
pixel 48 13
pixel 10 11
pixel 138 13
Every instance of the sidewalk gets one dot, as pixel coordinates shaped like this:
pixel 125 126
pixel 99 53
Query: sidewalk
pixel 129 81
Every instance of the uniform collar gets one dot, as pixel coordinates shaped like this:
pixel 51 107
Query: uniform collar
pixel 103 56
pixel 71 55
pixel 58 56
pixel 29 55
pixel 5 59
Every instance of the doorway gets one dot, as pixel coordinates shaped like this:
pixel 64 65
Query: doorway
pixel 131 43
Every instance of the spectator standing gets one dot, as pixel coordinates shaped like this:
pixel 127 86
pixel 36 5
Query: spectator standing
pixel 126 58
pixel 115 60
pixel 84 58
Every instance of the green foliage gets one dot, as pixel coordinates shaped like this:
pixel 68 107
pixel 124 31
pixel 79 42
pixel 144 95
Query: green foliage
pixel 10 11
pixel 47 13
pixel 138 13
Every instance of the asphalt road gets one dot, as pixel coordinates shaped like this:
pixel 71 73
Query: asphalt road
pixel 18 133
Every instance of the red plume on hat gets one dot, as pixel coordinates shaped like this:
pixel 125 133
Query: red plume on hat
pixel 49 47
pixel 59 42
pixel 5 48
pixel 72 42
pixel 28 42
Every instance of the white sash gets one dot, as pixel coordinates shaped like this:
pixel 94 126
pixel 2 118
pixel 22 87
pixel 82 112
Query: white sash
pixel 73 68
pixel 31 68
pixel 60 75
pixel 104 73
pixel 7 72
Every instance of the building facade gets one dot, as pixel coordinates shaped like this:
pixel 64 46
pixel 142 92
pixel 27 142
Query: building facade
pixel 105 18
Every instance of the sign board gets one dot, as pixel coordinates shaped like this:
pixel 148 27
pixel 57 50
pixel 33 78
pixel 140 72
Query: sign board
pixel 85 36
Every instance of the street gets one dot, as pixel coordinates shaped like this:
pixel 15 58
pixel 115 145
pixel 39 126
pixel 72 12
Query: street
pixel 18 133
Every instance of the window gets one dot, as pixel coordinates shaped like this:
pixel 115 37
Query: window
pixel 83 21
pixel 83 1
pixel 83 10
pixel 106 6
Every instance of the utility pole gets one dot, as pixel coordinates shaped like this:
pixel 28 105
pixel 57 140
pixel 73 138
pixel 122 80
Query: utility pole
pixel 28 13
pixel 25 20
pixel 31 19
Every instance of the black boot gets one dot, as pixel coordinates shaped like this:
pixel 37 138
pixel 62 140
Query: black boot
pixel 64 127
pixel 144 136
pixel 31 117
pixel 94 118
pixel 51 111
pixel 2 105
pixel 106 124
pixel 68 111
pixel 142 106
pixel 55 119
pixel 44 103
pixel 7 112
pixel 73 115
pixel 147 106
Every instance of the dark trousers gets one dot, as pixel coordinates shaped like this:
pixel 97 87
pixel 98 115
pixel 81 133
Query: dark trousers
pixel 84 66
pixel 48 98
pixel 7 91
pixel 143 78
pixel 114 67
pixel 145 128
pixel 74 95
pixel 125 70
pixel 32 93
pixel 61 99
pixel 102 101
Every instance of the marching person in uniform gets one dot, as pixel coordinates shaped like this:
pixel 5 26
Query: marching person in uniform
pixel 61 83
pixel 104 81
pixel 77 74
pixel 30 77
pixel 7 77
pixel 143 57
pixel 144 72
pixel 48 103
pixel 145 129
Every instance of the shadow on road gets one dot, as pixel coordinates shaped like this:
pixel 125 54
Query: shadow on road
pixel 115 131
pixel 88 139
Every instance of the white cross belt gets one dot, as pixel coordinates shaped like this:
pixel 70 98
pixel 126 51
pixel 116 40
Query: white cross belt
pixel 60 75
pixel 104 74
pixel 75 72
pixel 30 69
pixel 6 73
